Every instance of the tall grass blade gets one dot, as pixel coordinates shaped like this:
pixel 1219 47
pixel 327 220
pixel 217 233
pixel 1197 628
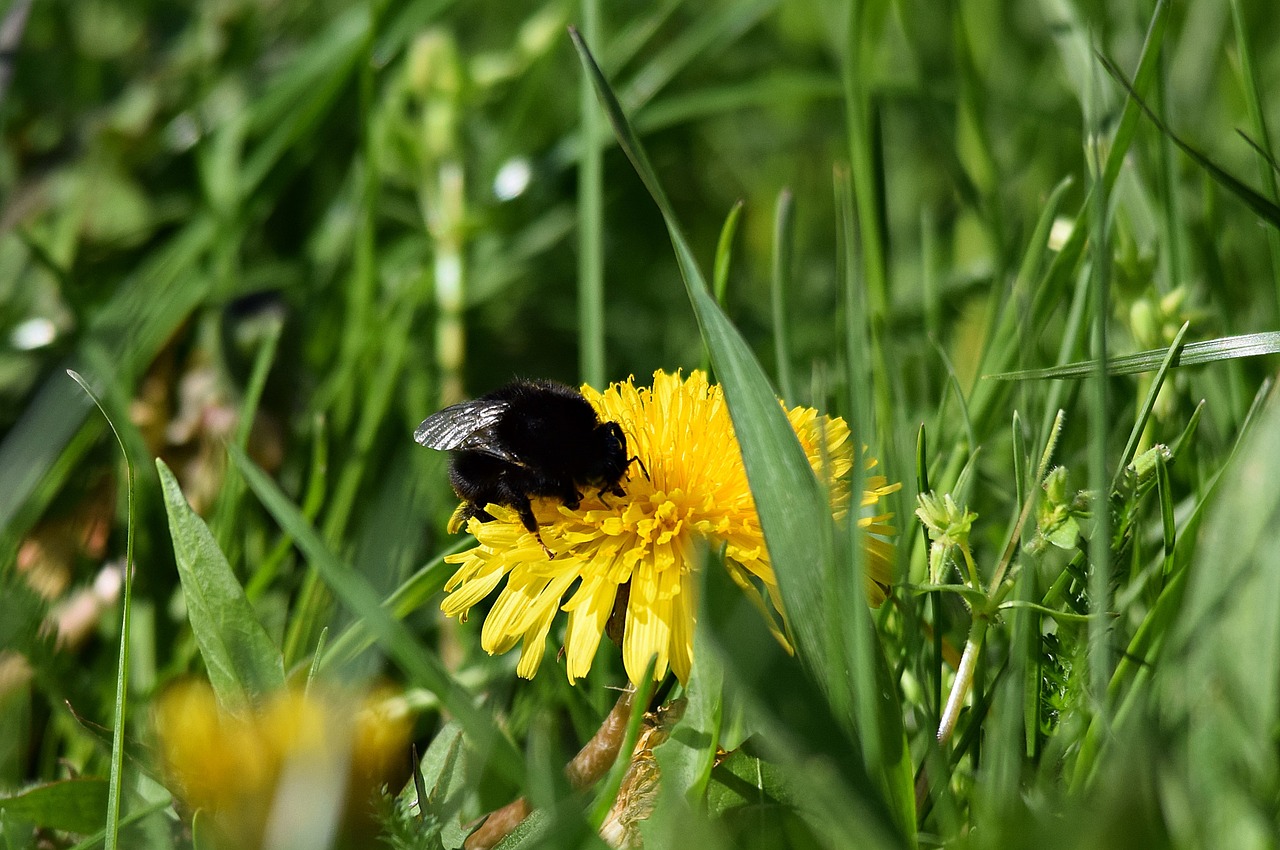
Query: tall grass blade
pixel 116 778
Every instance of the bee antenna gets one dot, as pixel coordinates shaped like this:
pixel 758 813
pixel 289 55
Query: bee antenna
pixel 636 459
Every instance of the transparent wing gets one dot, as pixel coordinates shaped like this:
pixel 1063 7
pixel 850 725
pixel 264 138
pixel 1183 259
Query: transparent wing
pixel 470 426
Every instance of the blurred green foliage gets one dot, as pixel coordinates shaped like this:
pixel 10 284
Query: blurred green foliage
pixel 299 228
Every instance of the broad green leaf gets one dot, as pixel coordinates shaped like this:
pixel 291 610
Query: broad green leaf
pixel 242 662
pixel 687 756
pixel 74 805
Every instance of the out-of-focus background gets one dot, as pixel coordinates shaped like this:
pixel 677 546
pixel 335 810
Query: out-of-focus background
pixel 302 227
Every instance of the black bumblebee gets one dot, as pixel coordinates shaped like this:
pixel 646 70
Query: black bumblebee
pixel 528 438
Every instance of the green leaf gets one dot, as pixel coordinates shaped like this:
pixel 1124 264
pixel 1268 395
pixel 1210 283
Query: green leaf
pixel 685 759
pixel 74 805
pixel 242 662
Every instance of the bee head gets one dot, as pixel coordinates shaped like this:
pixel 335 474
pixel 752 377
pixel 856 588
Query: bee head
pixel 610 455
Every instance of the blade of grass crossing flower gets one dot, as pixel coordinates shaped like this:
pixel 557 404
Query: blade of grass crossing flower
pixel 356 593
pixel 786 491
pixel 116 780
pixel 242 662
pixel 779 286
pixel 793 510
pixel 791 505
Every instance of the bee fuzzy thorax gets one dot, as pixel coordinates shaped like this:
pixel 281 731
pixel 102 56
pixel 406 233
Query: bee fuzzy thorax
pixel 528 439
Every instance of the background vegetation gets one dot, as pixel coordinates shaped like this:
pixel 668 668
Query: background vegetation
pixel 298 228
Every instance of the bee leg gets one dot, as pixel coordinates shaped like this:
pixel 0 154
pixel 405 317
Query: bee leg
pixel 530 522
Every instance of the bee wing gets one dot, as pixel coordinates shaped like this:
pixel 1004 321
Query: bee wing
pixel 470 426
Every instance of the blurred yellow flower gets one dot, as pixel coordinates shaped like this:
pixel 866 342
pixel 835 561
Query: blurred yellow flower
pixel 632 557
pixel 298 766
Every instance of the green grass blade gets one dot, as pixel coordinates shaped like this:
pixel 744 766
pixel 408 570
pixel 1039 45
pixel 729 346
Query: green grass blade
pixel 1148 404
pixel 244 665
pixel 724 253
pixel 1192 354
pixel 1257 118
pixel 1266 209
pixel 355 592
pixel 73 805
pixel 415 592
pixel 116 780
pixel 787 494
pixel 591 330
pixel 779 288
pixel 792 505
pixel 720 271
pixel 798 730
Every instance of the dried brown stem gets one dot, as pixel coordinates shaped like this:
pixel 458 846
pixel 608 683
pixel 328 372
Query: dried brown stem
pixel 590 764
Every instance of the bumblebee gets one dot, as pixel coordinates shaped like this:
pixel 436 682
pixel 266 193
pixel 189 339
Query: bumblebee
pixel 530 438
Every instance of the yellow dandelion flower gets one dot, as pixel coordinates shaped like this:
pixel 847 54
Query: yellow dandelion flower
pixel 637 553
pixel 298 764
